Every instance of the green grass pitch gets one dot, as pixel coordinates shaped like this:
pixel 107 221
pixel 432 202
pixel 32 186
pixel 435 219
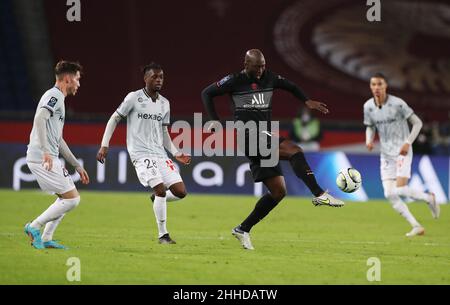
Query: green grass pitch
pixel 114 236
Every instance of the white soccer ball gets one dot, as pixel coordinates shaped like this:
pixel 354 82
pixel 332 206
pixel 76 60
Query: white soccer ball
pixel 348 180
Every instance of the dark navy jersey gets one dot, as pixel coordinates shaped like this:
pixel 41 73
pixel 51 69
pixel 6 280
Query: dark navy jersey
pixel 251 97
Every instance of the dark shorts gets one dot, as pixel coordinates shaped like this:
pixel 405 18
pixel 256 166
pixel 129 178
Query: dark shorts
pixel 260 173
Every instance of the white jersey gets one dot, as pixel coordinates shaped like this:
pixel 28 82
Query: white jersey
pixel 145 121
pixel 390 122
pixel 53 101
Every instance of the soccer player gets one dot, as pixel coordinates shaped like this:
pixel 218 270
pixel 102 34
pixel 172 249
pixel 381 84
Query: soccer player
pixel 390 115
pixel 251 92
pixel 148 115
pixel 46 143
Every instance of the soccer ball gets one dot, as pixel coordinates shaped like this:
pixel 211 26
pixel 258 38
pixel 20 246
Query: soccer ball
pixel 348 180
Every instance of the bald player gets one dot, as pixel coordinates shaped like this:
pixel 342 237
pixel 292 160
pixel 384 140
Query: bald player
pixel 148 115
pixel 389 115
pixel 251 93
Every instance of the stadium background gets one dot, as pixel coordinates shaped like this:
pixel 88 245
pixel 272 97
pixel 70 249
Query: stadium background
pixel 329 49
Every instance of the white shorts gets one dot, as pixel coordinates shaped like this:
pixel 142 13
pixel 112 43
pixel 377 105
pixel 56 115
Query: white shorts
pixel 152 171
pixel 393 167
pixel 56 181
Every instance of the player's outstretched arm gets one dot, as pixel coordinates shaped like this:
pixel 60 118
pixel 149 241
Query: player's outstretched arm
pixel 67 154
pixel 285 84
pixel 40 122
pixel 170 147
pixel 315 105
pixel 109 131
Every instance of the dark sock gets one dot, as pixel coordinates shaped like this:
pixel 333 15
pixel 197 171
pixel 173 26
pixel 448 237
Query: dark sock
pixel 264 205
pixel 304 172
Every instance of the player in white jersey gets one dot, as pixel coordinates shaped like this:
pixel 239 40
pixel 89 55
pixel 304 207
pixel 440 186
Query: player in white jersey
pixel 46 143
pixel 390 115
pixel 148 115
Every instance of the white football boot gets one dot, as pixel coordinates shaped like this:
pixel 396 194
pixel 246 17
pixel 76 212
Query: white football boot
pixel 418 230
pixel 327 199
pixel 243 237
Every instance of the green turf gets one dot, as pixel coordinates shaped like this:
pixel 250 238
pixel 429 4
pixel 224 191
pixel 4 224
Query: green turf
pixel 114 236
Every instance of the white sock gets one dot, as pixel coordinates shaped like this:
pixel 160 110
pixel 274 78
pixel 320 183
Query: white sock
pixel 50 228
pixel 171 197
pixel 390 192
pixel 160 209
pixel 402 208
pixel 56 210
pixel 406 191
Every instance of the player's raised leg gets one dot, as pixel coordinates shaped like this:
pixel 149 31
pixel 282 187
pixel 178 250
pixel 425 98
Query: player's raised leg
pixel 174 193
pixel 404 190
pixel 290 151
pixel 398 205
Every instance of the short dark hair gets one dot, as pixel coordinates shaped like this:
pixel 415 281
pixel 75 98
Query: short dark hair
pixel 151 66
pixel 67 67
pixel 380 75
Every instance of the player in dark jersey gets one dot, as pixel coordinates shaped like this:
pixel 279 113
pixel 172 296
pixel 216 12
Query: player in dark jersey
pixel 251 92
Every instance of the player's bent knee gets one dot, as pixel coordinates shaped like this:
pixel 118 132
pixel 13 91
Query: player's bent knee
pixel 178 190
pixel 278 195
pixel 390 193
pixel 160 190
pixel 71 203
pixel 181 194
pixel 160 193
pixel 402 190
pixel 70 194
pixel 391 197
